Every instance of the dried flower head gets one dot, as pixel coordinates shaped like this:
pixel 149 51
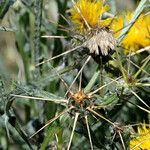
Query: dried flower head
pixel 91 11
pixel 138 36
pixel 142 140
pixel 101 43
pixel 86 16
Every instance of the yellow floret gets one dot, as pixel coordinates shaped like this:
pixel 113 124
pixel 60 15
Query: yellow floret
pixel 138 36
pixel 142 141
pixel 91 11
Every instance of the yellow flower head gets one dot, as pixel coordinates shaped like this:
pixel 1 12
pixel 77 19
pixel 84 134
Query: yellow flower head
pixel 142 141
pixel 138 36
pixel 89 10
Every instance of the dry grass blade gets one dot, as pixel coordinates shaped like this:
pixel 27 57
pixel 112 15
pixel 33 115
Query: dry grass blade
pixel 139 99
pixel 52 120
pixel 147 58
pixel 143 109
pixel 80 81
pixel 141 68
pixel 139 51
pixel 61 27
pixel 40 98
pixel 91 93
pixel 137 66
pixel 89 134
pixel 140 107
pixel 136 124
pixel 69 51
pixel 65 19
pixel 122 140
pixel 94 112
pixel 141 84
pixel 63 81
pixel 54 37
pixel 74 125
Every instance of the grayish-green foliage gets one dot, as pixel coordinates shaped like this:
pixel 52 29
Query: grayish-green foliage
pixel 31 97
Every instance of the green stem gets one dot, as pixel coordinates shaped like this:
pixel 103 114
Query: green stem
pixel 37 34
pixel 20 42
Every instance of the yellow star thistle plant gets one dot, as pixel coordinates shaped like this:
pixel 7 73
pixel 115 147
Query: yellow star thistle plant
pixel 138 36
pixel 91 11
pixel 142 141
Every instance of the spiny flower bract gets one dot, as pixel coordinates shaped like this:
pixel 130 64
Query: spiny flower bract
pixel 92 11
pixel 142 140
pixel 139 34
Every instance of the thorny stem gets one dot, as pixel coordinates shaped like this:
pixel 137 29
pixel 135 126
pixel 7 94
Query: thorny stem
pixel 139 99
pixel 52 120
pixel 138 106
pixel 122 140
pixel 89 134
pixel 91 93
pixel 94 112
pixel 74 125
pixel 139 51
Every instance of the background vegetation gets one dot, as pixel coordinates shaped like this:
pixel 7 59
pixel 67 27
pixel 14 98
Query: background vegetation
pixel 23 23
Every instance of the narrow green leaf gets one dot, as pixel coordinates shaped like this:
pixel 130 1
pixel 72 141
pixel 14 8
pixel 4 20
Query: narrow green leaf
pixel 136 14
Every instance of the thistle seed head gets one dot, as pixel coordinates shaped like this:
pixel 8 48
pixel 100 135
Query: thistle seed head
pixel 101 43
